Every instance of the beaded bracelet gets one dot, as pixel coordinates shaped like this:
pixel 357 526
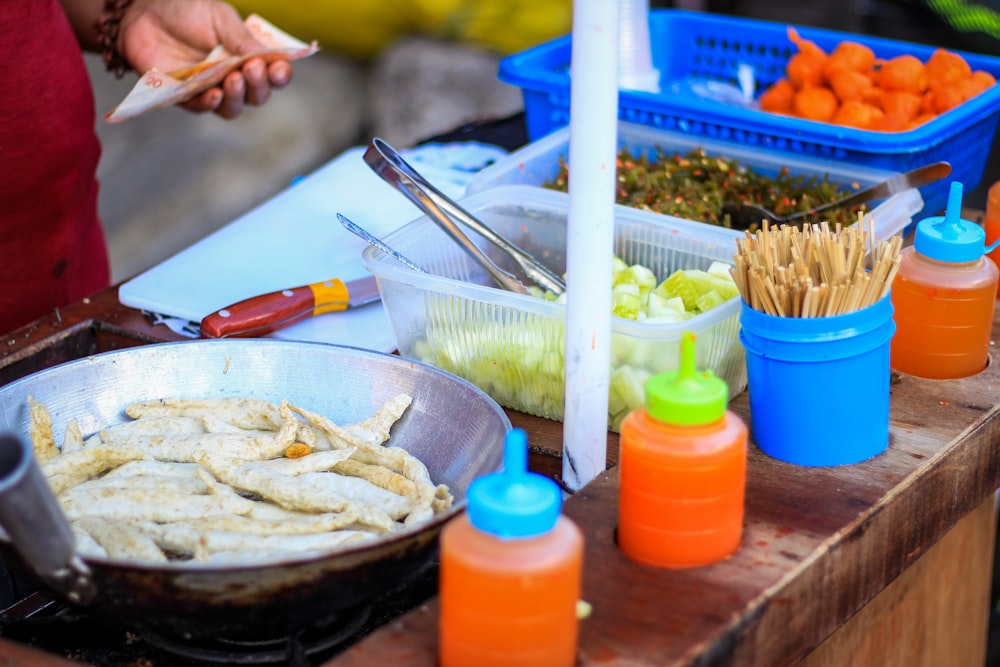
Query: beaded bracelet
pixel 107 26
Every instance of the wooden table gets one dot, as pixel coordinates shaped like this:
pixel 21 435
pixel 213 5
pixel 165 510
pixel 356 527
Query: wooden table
pixel 883 563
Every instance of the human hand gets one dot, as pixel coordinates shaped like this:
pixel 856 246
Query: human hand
pixel 172 34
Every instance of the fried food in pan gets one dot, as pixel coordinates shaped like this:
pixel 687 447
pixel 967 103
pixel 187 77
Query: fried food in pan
pixel 210 479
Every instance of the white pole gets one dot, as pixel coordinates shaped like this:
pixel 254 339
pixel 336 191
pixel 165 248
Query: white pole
pixel 590 238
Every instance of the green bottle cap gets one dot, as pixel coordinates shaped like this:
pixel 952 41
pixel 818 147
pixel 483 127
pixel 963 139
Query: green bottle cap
pixel 687 396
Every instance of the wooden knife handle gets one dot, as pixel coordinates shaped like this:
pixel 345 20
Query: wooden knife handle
pixel 265 313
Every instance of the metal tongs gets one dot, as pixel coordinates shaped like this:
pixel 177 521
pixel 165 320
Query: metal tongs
pixel 388 164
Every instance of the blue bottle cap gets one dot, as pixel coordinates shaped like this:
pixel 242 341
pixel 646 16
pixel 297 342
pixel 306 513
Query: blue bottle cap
pixel 950 238
pixel 514 503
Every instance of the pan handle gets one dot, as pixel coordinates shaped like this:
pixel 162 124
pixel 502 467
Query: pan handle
pixel 38 529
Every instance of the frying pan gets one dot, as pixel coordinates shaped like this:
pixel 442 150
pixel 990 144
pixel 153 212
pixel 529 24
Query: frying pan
pixel 453 427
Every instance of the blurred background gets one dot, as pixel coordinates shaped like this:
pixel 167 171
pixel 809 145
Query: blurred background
pixel 170 177
pixel 403 70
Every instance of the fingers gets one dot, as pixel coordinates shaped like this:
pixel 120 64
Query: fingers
pixel 234 95
pixel 279 73
pixel 251 86
pixel 231 30
pixel 226 100
pixel 207 101
pixel 256 83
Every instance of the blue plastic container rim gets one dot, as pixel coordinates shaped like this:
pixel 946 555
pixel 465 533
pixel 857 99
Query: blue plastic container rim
pixel 546 68
pixel 816 339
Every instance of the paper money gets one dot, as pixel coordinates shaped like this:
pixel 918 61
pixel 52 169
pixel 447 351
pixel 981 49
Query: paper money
pixel 157 89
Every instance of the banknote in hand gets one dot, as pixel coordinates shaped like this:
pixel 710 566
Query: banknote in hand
pixel 157 89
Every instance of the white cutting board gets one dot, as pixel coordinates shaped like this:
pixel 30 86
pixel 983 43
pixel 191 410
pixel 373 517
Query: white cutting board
pixel 295 239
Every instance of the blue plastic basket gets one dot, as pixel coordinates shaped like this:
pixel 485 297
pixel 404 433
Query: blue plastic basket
pixel 696 46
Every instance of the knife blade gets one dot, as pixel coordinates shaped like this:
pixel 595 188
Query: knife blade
pixel 264 313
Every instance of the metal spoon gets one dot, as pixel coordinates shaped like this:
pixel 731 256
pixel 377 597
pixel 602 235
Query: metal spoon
pixel 748 216
pixel 444 211
pixel 377 242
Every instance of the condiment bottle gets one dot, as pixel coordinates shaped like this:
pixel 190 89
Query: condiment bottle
pixel 511 571
pixel 682 470
pixel 943 297
pixel 992 224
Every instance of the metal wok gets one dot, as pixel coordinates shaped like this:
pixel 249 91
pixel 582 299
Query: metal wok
pixel 453 427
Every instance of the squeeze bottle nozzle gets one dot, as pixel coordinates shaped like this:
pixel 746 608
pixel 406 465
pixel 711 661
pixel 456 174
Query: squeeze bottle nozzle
pixel 686 396
pixel 515 502
pixel 951 238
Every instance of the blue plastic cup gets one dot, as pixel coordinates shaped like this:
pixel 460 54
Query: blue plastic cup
pixel 819 387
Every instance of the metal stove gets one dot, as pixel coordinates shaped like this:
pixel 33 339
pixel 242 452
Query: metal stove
pixel 31 618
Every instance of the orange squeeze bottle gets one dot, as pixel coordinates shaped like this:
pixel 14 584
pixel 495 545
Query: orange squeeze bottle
pixel 943 297
pixel 511 572
pixel 992 225
pixel 682 470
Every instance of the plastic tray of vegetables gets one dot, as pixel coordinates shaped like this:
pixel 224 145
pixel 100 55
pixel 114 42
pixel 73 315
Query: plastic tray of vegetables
pixel 671 276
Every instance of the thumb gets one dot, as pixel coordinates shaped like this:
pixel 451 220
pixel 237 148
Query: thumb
pixel 233 33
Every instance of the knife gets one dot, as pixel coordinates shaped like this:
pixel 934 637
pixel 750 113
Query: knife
pixel 265 313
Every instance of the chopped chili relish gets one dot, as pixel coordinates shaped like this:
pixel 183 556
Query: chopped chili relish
pixel 695 186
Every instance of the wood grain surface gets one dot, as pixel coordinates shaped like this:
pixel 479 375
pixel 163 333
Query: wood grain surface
pixel 933 614
pixel 819 544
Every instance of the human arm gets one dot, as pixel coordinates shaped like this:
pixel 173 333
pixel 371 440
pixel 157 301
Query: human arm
pixel 83 15
pixel 171 34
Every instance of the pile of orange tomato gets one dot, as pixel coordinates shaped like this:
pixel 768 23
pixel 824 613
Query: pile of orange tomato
pixel 850 86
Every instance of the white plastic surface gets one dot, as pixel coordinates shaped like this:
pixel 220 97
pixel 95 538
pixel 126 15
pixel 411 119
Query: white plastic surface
pixel 294 239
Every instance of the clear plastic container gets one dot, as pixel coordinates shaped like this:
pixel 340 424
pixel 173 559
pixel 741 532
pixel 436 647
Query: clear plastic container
pixel 635 57
pixel 512 345
pixel 511 572
pixel 539 162
pixel 943 298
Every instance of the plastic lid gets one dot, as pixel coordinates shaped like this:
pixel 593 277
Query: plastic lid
pixel 686 396
pixel 514 503
pixel 950 238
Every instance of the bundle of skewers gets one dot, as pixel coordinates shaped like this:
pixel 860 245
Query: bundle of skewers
pixel 815 271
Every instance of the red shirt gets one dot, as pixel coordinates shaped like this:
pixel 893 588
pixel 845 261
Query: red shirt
pixel 52 248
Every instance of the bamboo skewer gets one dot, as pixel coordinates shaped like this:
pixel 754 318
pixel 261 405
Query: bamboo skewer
pixel 814 271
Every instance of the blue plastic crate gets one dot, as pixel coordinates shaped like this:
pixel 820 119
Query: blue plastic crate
pixel 697 46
